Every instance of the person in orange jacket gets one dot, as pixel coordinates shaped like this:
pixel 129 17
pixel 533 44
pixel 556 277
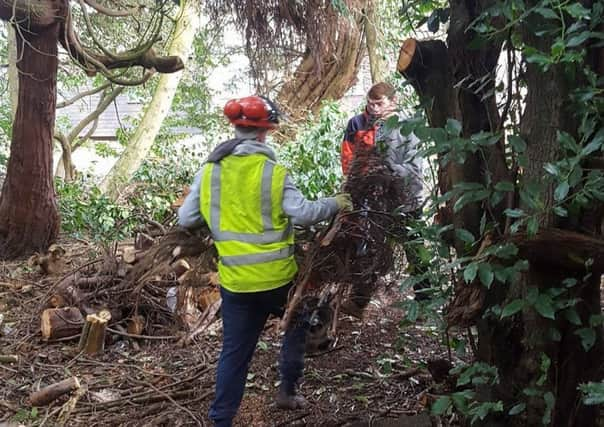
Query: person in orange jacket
pixel 401 156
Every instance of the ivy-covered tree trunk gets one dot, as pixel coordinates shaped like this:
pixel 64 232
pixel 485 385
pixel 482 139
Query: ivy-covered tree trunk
pixel 142 141
pixel 29 219
pixel 547 343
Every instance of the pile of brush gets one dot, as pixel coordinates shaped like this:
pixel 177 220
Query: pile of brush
pixel 355 249
pixel 154 287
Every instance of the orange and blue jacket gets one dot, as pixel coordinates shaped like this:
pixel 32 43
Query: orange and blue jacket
pixel 361 129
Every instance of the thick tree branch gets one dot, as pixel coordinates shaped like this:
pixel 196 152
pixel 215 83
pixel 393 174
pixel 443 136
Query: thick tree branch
pixel 93 62
pixel 111 12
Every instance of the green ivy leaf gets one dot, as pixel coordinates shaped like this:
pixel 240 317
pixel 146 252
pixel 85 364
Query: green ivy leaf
pixel 469 273
pixel 544 306
pixel 486 275
pixel 513 308
pixel 517 143
pixel 453 127
pixel 560 211
pixel 517 409
pixel 561 191
pixel 577 10
pixel 551 169
pixel 578 39
pixel 464 235
pixel 514 213
pixel 546 12
pixel 441 405
pixel 572 316
pixel 588 337
pixel 504 186
pixel 593 393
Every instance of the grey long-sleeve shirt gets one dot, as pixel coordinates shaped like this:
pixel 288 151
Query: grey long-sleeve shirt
pixel 300 210
pixel 403 159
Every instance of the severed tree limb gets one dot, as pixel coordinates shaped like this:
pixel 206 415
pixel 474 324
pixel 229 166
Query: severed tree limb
pixel 52 392
pixel 204 321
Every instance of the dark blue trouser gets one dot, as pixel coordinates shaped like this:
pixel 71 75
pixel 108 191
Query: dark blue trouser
pixel 243 318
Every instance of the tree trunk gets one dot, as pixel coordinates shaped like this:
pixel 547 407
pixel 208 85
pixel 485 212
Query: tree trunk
pixel 143 139
pixel 377 64
pixel 331 76
pixel 517 345
pixel 13 73
pixel 29 220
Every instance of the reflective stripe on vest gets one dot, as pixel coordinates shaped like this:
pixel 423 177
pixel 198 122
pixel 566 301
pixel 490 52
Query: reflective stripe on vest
pixel 241 200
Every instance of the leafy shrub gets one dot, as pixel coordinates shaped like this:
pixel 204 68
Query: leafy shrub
pixel 314 158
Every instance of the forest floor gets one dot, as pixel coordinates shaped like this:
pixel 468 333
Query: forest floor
pixel 374 375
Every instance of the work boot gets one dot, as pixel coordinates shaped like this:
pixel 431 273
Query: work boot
pixel 351 308
pixel 290 402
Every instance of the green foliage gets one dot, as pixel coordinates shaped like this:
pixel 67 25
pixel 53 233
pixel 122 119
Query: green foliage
pixel 86 212
pixel 25 415
pixel 314 158
pixel 593 393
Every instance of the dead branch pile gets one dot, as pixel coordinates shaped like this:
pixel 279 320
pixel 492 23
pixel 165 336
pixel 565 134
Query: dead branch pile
pixel 137 290
pixel 356 249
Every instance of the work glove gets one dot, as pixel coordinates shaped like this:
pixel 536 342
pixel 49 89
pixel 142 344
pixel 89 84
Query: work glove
pixel 344 202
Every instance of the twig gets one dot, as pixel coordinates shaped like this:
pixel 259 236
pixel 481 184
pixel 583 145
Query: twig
pixel 289 421
pixel 145 337
pixel 175 403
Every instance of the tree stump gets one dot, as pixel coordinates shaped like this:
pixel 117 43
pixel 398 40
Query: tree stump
pixel 92 340
pixel 60 322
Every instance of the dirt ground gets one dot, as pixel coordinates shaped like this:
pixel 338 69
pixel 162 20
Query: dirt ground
pixel 374 375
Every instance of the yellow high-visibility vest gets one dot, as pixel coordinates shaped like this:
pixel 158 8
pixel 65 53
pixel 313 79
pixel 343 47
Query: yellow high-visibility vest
pixel 241 201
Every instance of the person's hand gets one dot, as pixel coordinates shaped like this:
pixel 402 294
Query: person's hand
pixel 344 202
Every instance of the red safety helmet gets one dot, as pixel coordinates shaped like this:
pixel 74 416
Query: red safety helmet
pixel 254 111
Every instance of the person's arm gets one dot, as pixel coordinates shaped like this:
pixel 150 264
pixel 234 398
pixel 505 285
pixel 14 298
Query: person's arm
pixel 303 211
pixel 189 214
pixel 402 156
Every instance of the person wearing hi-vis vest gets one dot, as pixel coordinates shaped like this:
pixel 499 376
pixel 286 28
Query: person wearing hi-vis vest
pixel 250 205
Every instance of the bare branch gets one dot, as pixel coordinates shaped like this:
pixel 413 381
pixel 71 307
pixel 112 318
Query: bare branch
pixel 82 95
pixel 111 12
pixel 102 106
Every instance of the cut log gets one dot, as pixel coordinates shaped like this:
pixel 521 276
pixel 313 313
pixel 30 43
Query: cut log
pixel 57 301
pixel 9 358
pixel 176 252
pixel 123 269
pixel 186 307
pixel 130 255
pixel 207 296
pixel 50 393
pixel 196 279
pixel 50 263
pixel 180 267
pixel 143 241
pixel 136 325
pixel 405 56
pixel 60 322
pixel 92 340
